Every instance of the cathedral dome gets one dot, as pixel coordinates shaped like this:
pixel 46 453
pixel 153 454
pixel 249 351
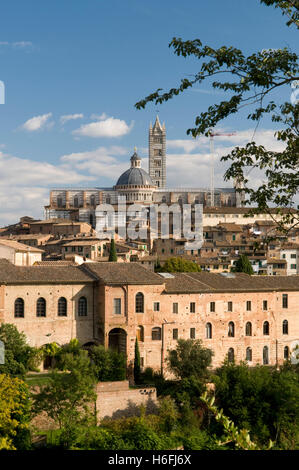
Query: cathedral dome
pixel 135 175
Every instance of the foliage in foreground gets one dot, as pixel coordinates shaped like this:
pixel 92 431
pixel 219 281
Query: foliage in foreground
pixel 14 414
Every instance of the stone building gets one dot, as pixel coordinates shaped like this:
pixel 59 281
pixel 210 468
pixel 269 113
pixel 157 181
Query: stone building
pixel 253 318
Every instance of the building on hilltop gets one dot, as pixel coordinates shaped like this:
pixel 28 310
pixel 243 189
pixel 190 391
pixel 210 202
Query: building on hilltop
pixel 135 185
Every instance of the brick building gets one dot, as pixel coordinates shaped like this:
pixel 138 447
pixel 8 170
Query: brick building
pixel 253 318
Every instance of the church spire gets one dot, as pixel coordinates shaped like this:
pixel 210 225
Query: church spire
pixel 157 153
pixel 157 124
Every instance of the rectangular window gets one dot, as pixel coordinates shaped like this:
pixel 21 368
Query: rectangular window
pixel 175 333
pixel 248 305
pixel 212 306
pixel 192 307
pixel 117 306
pixel 293 255
pixel 156 306
pixel 293 266
pixel 229 306
pixel 192 333
pixel 175 307
pixel 265 305
pixel 284 300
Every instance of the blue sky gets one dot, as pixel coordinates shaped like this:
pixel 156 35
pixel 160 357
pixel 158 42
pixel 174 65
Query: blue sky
pixel 73 71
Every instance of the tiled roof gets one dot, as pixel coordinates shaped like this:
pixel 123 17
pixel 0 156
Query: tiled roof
pixel 19 246
pixel 12 274
pixel 237 282
pixel 122 273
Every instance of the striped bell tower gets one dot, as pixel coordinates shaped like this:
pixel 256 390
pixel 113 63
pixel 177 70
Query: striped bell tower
pixel 157 154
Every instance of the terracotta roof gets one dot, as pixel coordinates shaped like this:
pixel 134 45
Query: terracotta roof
pixel 230 282
pixel 19 246
pixel 11 274
pixel 122 273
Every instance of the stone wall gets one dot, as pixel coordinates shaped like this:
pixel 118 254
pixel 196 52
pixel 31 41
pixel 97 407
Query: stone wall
pixel 116 400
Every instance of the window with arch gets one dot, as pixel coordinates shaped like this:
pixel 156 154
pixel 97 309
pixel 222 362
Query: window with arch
pixel 82 307
pixel 265 355
pixel 41 307
pixel 140 333
pixel 108 200
pixel 248 329
pixel 231 355
pixel 286 353
pixel 59 202
pixel 156 333
pixel 266 328
pixel 62 307
pixel 285 327
pixel 209 330
pixel 19 308
pixel 164 199
pixel 92 200
pixel 139 303
pixel 248 354
pixel 76 201
pixel 231 329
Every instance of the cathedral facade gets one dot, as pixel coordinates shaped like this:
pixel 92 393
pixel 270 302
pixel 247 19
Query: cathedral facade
pixel 136 186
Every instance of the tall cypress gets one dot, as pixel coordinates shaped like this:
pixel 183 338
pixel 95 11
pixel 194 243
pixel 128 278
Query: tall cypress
pixel 112 254
pixel 137 363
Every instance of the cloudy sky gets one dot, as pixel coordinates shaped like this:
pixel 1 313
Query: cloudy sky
pixel 74 70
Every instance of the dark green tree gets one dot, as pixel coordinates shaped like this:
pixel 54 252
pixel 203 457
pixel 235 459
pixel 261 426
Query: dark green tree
pixel 112 254
pixel 253 82
pixel 137 363
pixel 69 396
pixel 190 359
pixel 108 365
pixel 157 266
pixel 243 265
pixel 18 354
pixel 263 400
pixel 180 265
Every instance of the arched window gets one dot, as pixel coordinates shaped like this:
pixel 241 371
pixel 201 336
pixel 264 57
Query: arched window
pixel 265 355
pixel 92 200
pixel 266 328
pixel 248 354
pixel 209 330
pixel 231 355
pixel 82 307
pixel 164 199
pixel 285 327
pixel 59 202
pixel 140 333
pixel 156 333
pixel 76 201
pixel 248 329
pixel 19 308
pixel 286 353
pixel 62 307
pixel 139 303
pixel 108 200
pixel 231 329
pixel 41 307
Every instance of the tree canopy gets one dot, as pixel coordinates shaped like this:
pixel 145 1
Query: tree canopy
pixel 254 80
pixel 179 265
pixel 243 265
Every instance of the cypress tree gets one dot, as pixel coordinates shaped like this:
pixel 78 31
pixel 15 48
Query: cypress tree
pixel 112 254
pixel 137 363
pixel 243 265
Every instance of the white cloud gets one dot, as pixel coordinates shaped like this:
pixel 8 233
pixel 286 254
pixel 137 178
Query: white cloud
pixel 70 117
pixel 109 127
pixel 37 122
pixel 99 117
pixel 26 190
pixel 25 45
pixel 103 162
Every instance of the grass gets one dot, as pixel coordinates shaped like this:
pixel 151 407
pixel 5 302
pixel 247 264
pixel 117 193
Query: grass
pixel 37 379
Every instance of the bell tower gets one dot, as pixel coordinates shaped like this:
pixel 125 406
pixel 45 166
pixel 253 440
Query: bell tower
pixel 157 154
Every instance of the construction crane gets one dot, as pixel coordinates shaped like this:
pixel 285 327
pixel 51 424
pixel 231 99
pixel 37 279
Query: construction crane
pixel 212 135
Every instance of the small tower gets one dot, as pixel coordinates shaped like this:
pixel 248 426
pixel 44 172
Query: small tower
pixel 157 154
